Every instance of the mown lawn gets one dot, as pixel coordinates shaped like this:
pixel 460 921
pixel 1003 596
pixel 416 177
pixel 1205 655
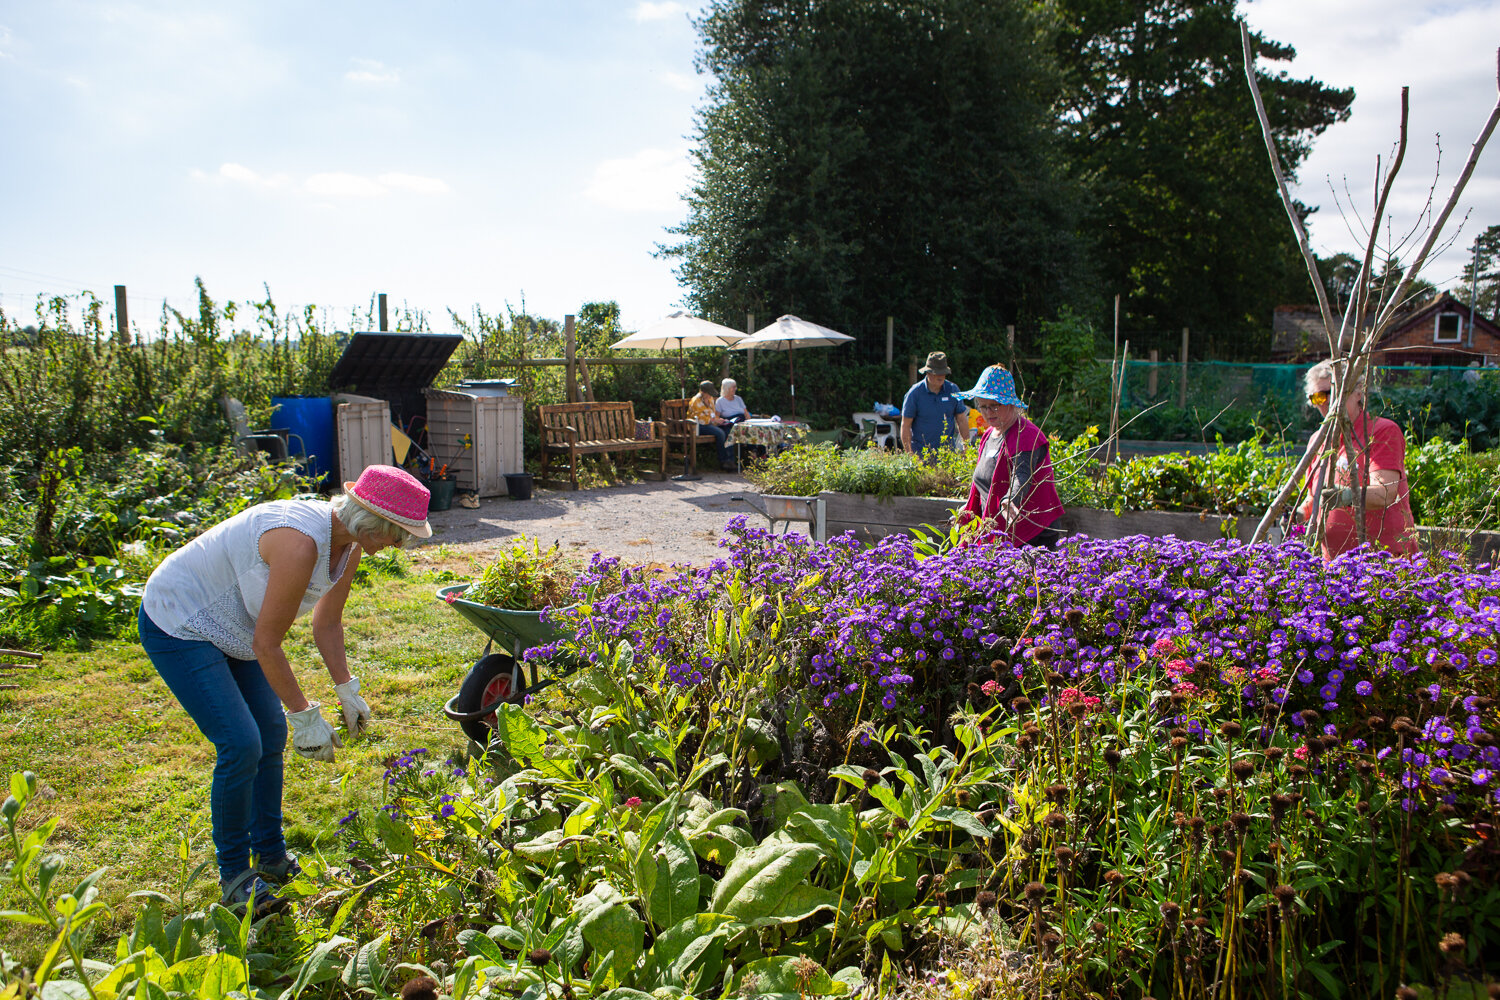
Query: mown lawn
pixel 128 772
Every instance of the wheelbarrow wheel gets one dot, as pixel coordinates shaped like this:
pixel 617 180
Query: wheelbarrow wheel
pixel 496 677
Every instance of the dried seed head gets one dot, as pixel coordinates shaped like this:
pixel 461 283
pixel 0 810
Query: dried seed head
pixel 1286 896
pixel 1280 803
pixel 420 988
pixel 897 823
pixel 1446 881
pixel 1364 767
pixel 1098 928
pixel 1054 679
pixel 1309 716
pixel 1241 821
pixel 1058 793
pixel 1065 854
pixel 1298 772
pixel 1112 757
pixel 1024 742
pixel 1226 860
pixel 962 796
pixel 1484 739
pixel 871 776
pixel 1362 807
pixel 1375 721
pixel 1056 820
pixel 985 901
pixel 1242 770
pixel 1274 754
pixel 1452 946
pixel 1406 993
pixel 975 693
pixel 923 881
pixel 1034 892
pixel 1171 913
pixel 1179 742
pixel 1050 941
pixel 1177 731
pixel 539 956
pixel 1074 617
pixel 1021 704
pixel 1042 654
pixel 1229 729
pixel 1113 877
pixel 1179 820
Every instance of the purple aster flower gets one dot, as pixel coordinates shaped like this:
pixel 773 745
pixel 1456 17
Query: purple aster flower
pixel 1364 689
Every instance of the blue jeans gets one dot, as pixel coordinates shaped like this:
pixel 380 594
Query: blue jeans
pixel 721 434
pixel 234 706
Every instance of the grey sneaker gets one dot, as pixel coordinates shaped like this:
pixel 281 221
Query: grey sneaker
pixel 281 871
pixel 237 893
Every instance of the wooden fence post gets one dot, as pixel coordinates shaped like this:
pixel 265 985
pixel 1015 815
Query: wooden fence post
pixel 570 352
pixel 1151 377
pixel 384 325
pixel 749 351
pixel 122 316
pixel 1182 386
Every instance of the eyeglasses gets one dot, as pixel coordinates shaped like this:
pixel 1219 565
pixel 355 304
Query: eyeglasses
pixel 987 406
pixel 1318 398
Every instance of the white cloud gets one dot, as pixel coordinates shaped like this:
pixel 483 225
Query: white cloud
pixel 342 185
pixel 414 183
pixel 646 10
pixel 680 81
pixel 652 180
pixel 372 71
pixel 329 184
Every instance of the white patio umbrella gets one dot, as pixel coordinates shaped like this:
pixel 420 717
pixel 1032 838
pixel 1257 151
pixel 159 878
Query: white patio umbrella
pixel 680 330
pixel 789 334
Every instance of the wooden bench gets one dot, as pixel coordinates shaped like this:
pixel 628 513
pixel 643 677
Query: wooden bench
pixel 683 433
pixel 577 429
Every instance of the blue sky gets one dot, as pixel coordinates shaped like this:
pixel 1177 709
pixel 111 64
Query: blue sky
pixel 459 153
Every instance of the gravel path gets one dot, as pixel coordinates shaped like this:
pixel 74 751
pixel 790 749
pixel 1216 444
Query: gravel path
pixel 649 522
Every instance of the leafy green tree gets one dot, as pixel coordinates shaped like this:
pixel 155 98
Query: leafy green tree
pixel 1186 221
pixel 865 158
pixel 1485 254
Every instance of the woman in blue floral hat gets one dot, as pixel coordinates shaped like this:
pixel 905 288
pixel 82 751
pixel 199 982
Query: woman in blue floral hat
pixel 1013 486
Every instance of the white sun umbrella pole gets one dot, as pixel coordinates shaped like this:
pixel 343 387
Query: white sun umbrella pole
pixel 680 330
pixel 789 333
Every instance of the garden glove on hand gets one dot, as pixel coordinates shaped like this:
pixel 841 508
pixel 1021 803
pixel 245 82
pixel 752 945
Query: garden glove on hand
pixel 1338 496
pixel 356 712
pixel 312 736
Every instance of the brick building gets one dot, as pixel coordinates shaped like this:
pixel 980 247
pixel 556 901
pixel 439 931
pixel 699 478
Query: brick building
pixel 1435 331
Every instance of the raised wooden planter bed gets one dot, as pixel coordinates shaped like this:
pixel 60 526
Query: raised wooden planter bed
pixel 872 518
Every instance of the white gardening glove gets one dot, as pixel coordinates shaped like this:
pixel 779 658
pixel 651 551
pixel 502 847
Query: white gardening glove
pixel 312 736
pixel 356 711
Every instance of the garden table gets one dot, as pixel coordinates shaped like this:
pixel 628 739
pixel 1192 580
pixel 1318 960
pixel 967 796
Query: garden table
pixel 773 435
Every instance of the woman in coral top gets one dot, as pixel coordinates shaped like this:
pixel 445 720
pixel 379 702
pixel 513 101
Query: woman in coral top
pixel 1013 485
pixel 1379 448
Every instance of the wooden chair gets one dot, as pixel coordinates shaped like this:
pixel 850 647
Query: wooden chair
pixel 578 429
pixel 683 433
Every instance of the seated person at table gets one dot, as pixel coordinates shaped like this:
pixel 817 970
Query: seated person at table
pixel 701 409
pixel 730 406
pixel 733 409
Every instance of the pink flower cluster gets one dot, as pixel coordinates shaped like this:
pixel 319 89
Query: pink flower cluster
pixel 1072 696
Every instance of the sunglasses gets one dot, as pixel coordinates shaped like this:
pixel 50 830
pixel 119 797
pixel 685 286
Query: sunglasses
pixel 1318 398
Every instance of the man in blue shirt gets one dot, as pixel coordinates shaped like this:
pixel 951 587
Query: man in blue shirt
pixel 932 411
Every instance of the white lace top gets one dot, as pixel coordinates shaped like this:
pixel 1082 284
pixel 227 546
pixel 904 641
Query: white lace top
pixel 212 588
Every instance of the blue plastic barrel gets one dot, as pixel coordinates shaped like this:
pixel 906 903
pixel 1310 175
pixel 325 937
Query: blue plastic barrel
pixel 310 418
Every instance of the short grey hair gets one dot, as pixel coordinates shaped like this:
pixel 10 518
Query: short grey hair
pixel 726 383
pixel 1322 370
pixel 360 520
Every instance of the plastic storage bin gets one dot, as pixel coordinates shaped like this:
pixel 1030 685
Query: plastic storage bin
pixel 477 435
pixel 364 433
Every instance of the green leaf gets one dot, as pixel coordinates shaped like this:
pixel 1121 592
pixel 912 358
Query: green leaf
pixel 675 896
pixel 366 970
pixel 482 945
pixel 208 977
pixel 963 819
pixel 636 771
pixel 799 904
pixel 789 975
pixel 317 966
pixel 760 880
pixel 609 924
pixel 677 948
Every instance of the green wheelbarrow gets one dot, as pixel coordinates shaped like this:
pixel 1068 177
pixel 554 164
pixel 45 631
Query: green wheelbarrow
pixel 497 678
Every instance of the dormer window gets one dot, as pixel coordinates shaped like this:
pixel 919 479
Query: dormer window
pixel 1448 328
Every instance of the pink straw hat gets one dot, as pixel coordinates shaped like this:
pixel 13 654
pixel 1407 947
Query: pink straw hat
pixel 395 495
